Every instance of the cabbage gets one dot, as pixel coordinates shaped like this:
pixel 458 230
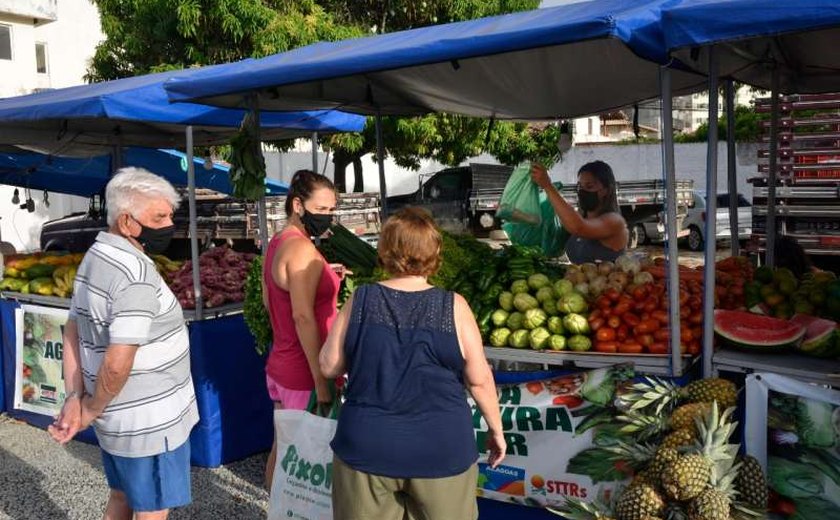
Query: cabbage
pixel 499 317
pixel 524 302
pixel 579 343
pixel 628 263
pixel 499 337
pixel 534 318
pixel 572 302
pixel 555 325
pixel 550 307
pixel 514 321
pixel 556 342
pixel 563 287
pixel 545 293
pixel 506 301
pixel 538 338
pixel 537 281
pixel 519 338
pixel 576 324
pixel 519 286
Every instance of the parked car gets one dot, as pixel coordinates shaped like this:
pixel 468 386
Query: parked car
pixel 695 222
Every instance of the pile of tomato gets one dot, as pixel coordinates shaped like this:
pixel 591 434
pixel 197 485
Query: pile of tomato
pixel 636 321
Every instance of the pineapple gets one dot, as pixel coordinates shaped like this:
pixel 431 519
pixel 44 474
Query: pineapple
pixel 574 509
pixel 683 417
pixel 711 504
pixel 663 457
pixel 665 396
pixel 679 439
pixel 639 502
pixel 686 477
pixel 642 426
pixel 751 484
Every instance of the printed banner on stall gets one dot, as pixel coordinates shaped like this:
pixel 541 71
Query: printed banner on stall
pixel 39 375
pixel 557 432
pixel 793 429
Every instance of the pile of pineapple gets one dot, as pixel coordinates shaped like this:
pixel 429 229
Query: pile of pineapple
pixel 684 465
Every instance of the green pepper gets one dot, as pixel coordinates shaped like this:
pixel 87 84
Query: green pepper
pixel 491 295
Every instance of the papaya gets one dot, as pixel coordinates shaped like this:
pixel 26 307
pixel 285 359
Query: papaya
pixel 40 271
pixel 43 286
pixel 11 272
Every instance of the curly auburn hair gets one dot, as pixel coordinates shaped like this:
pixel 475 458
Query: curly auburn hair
pixel 410 244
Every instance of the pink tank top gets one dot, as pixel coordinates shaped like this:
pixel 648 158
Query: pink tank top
pixel 287 364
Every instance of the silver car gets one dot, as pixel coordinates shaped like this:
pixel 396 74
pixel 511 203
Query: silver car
pixel 695 221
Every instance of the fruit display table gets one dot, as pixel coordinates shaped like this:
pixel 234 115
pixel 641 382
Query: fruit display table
pixel 236 412
pixel 648 364
pixel 813 370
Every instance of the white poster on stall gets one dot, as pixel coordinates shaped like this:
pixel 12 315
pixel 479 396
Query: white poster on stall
pixel 793 429
pixel 557 431
pixel 39 374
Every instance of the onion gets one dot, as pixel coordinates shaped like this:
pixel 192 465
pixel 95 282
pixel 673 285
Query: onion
pixel 619 278
pixel 628 263
pixel 582 288
pixel 642 278
pixel 590 270
pixel 606 268
pixel 598 285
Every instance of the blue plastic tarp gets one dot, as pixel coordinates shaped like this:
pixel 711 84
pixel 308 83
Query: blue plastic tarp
pixel 801 37
pixel 563 61
pixel 136 111
pixel 88 176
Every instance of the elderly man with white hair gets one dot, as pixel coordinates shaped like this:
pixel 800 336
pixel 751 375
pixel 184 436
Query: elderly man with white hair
pixel 126 355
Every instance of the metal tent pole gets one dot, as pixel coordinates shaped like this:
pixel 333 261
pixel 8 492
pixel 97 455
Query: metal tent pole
pixel 380 158
pixel 670 218
pixel 731 179
pixel 196 270
pixel 711 217
pixel 314 140
pixel 770 254
pixel 262 211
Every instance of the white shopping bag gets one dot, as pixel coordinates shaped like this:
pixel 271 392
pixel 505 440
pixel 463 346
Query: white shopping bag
pixel 302 486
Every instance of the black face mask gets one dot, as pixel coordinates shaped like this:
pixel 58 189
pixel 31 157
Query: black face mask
pixel 588 200
pixel 154 240
pixel 316 224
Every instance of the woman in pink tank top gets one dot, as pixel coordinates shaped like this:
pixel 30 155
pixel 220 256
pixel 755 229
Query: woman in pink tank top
pixel 300 290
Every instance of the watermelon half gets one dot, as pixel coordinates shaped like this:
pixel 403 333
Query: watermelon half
pixel 747 331
pixel 822 338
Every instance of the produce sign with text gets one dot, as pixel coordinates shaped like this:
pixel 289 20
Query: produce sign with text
pixel 39 380
pixel 558 432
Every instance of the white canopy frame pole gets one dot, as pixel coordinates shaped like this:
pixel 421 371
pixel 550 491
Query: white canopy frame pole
pixel 196 269
pixel 671 218
pixel 711 217
pixel 380 159
pixel 772 175
pixel 314 140
pixel 731 172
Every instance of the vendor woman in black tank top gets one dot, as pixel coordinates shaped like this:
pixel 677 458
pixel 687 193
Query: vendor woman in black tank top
pixel 598 231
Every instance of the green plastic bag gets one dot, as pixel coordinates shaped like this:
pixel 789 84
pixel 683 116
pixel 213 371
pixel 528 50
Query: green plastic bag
pixel 520 200
pixel 549 235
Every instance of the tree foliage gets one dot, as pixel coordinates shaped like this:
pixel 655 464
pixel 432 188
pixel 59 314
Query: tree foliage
pixel 747 128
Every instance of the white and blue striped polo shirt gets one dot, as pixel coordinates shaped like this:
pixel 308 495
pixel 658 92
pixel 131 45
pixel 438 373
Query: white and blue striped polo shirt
pixel 120 299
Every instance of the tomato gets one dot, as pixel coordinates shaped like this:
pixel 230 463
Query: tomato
pixel 605 334
pixel 595 315
pixel 569 401
pixel 621 308
pixel 685 312
pixel 692 348
pixel 535 387
pixel 696 303
pixel 630 347
pixel 596 324
pixel 613 294
pixel 658 347
pixel 647 327
pixel 660 316
pixel 685 334
pixel 622 332
pixel 684 296
pixel 640 292
pixel 630 319
pixel 614 322
pixel 645 316
pixel 736 290
pixel 696 332
pixel 663 334
pixel 696 318
pixel 603 302
pixel 646 340
pixel 606 346
pixel 639 306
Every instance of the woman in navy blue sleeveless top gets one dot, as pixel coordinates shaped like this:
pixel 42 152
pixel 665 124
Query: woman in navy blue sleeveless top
pixel 405 441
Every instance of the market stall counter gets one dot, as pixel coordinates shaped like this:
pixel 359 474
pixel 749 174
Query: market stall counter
pixel 228 374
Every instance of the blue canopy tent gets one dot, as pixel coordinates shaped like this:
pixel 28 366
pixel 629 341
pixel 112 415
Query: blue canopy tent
pixel 784 47
pixel 87 176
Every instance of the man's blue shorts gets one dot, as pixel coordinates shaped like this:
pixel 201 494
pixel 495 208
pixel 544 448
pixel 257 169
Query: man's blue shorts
pixel 151 483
